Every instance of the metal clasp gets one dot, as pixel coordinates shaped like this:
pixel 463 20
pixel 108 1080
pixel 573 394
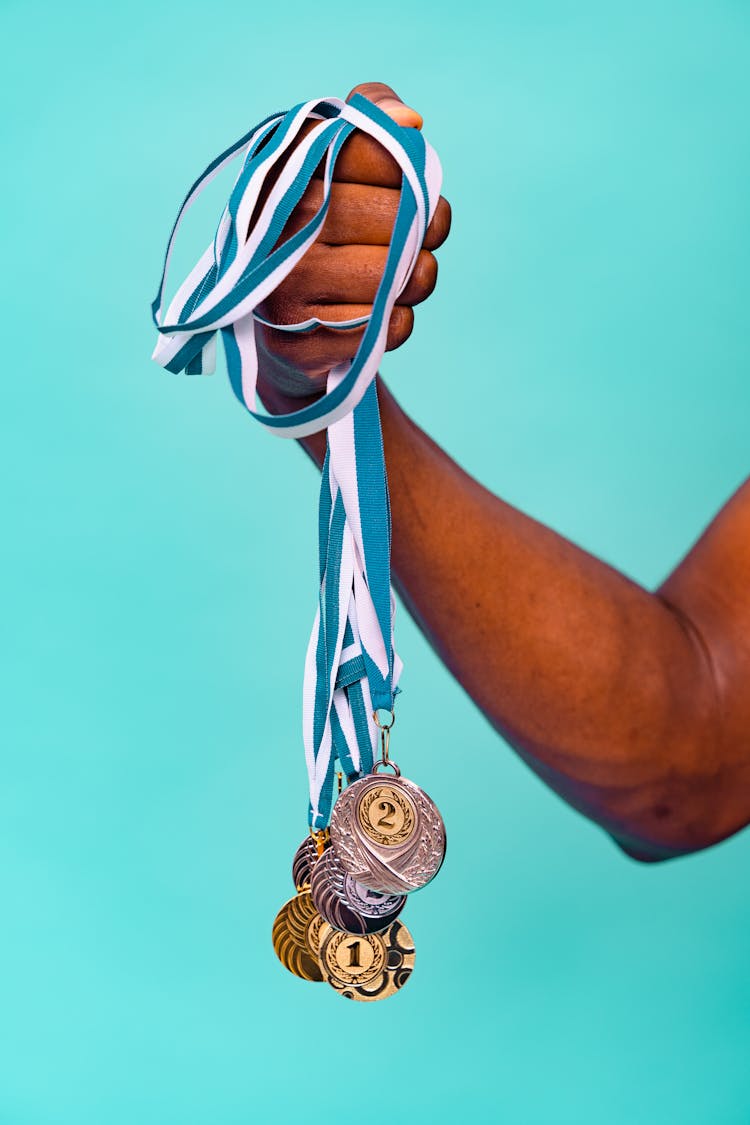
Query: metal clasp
pixel 385 741
pixel 320 837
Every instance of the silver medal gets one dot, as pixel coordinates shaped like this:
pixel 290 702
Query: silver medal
pixel 387 833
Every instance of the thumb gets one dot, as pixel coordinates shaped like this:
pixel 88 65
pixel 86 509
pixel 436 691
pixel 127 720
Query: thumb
pixel 389 101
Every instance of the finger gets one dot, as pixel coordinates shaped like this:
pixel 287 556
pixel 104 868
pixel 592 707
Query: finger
pixel 362 160
pixel 361 215
pixel 314 352
pixel 388 100
pixel 357 214
pixel 317 352
pixel 351 275
pixel 440 225
pixel 400 325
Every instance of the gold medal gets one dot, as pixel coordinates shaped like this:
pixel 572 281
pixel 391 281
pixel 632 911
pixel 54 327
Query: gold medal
pixel 311 848
pixel 367 967
pixel 295 935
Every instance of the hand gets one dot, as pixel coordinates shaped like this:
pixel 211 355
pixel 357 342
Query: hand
pixel 338 276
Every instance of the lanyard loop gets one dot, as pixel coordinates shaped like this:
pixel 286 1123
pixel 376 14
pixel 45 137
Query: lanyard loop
pixel 351 667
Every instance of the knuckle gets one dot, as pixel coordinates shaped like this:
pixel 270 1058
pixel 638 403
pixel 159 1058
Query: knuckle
pixel 292 293
pixel 279 306
pixel 370 90
pixel 285 345
pixel 400 327
pixel 309 204
pixel 424 278
pixel 439 228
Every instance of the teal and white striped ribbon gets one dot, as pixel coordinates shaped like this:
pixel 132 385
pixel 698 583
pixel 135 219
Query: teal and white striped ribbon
pixel 351 666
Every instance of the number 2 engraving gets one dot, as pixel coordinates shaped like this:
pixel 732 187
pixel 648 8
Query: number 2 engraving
pixel 386 820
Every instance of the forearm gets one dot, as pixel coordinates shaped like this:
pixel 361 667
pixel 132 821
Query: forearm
pixel 601 686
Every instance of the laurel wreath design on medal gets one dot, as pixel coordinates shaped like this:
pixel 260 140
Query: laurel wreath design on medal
pixel 348 905
pixel 293 934
pixel 386 815
pixel 371 967
pixel 374 808
pixel 351 960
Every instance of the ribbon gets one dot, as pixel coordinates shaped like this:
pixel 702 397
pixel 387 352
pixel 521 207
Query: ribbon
pixel 351 665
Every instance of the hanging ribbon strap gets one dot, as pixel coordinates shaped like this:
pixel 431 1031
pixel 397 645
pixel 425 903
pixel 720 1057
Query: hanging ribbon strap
pixel 351 665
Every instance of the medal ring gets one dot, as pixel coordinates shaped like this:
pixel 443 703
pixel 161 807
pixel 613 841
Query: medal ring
pixel 378 723
pixel 385 763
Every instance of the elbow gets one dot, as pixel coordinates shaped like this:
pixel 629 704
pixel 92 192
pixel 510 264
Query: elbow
pixel 646 852
pixel 688 823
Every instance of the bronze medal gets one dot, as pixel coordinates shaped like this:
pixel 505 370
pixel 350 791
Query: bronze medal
pixel 367 967
pixel 305 857
pixel 295 935
pixel 388 834
pixel 348 905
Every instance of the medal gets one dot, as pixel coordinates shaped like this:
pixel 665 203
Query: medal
pixel 295 935
pixel 371 967
pixel 348 905
pixel 386 832
pixel 305 856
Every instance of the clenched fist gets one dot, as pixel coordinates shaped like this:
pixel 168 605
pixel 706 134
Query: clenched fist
pixel 339 275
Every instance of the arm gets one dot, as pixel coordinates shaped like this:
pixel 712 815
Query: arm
pixel 633 705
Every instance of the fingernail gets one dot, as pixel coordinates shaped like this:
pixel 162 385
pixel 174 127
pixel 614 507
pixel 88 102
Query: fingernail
pixel 402 114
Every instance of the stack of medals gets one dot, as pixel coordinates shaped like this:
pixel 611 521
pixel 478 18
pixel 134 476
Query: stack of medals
pixel 384 837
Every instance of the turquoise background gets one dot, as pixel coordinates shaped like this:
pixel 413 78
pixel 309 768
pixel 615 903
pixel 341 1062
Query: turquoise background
pixel 585 354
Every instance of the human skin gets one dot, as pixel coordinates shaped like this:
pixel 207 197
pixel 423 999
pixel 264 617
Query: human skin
pixel 633 705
